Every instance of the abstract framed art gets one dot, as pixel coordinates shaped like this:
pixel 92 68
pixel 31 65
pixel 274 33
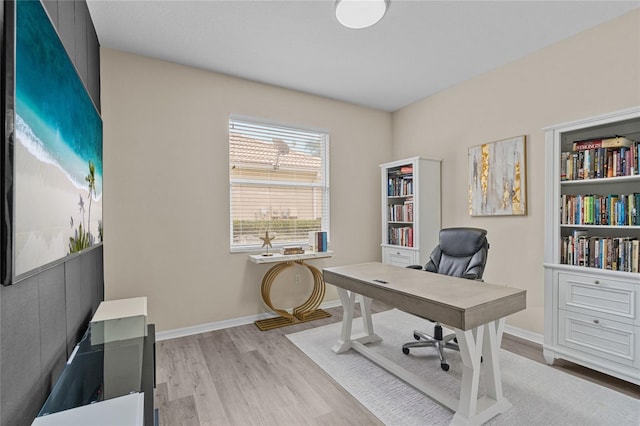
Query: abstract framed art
pixel 497 178
pixel 52 149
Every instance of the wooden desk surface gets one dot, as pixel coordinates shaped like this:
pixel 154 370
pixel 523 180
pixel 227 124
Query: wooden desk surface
pixel 456 302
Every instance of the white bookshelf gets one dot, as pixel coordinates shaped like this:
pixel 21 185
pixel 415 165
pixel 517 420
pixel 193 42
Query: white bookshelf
pixel 411 206
pixel 592 313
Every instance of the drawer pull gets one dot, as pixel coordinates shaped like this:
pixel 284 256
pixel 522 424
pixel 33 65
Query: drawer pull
pixel 597 282
pixel 595 321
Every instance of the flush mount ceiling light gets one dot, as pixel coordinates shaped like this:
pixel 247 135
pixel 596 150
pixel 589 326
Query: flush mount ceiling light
pixel 357 14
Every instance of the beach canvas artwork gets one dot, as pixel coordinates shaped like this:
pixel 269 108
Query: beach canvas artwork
pixel 57 148
pixel 497 184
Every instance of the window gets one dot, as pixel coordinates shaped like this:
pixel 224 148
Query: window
pixel 279 182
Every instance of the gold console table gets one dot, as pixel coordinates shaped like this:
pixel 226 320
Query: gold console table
pixel 307 311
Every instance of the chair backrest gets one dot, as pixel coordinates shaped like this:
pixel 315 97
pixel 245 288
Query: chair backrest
pixel 462 252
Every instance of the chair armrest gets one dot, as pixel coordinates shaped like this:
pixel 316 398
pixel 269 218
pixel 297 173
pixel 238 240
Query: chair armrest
pixel 415 267
pixel 472 277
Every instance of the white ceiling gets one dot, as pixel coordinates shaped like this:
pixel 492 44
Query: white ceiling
pixel 419 48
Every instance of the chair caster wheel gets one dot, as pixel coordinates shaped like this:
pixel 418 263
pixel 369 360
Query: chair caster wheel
pixel 405 351
pixel 415 336
pixel 444 366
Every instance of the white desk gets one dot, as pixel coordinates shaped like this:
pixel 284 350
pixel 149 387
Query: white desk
pixel 473 309
pixel 307 311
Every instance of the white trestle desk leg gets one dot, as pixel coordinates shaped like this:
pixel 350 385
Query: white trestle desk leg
pixel 470 352
pixel 365 309
pixel 475 345
pixel 348 300
pixel 499 330
pixel 491 361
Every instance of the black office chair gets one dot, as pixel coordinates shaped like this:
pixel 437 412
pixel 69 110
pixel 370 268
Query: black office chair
pixel 462 252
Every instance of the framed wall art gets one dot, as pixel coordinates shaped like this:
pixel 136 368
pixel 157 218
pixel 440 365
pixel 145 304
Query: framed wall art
pixel 497 178
pixel 52 153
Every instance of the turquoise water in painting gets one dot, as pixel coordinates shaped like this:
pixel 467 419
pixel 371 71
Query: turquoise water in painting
pixel 56 119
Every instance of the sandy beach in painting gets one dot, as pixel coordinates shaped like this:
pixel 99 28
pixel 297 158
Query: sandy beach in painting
pixel 46 197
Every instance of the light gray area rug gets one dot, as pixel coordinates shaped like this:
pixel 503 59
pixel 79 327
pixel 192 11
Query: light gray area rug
pixel 540 394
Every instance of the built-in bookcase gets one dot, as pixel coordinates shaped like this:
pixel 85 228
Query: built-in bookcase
pixel 592 234
pixel 410 210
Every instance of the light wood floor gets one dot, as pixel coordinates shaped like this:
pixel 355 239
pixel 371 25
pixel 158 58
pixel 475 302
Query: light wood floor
pixel 244 376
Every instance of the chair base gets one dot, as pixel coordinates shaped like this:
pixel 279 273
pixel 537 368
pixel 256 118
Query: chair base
pixel 438 341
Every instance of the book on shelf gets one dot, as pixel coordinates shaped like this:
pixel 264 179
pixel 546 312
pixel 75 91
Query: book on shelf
pixel 613 253
pixel 579 246
pixel 408 207
pixel 400 186
pixel 601 162
pixel 400 212
pixel 402 236
pixel 405 170
pixel 318 241
pixel 594 209
pixel 603 142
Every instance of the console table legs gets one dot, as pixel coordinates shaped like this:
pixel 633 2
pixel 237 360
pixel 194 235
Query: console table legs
pixel 307 311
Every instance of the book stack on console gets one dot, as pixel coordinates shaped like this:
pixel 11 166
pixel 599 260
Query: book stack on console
pixel 318 240
pixel 293 250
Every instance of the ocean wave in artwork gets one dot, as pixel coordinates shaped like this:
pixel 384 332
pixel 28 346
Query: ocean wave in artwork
pixel 37 148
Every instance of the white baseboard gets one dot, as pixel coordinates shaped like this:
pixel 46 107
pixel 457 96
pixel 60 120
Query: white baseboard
pixel 524 334
pixel 219 325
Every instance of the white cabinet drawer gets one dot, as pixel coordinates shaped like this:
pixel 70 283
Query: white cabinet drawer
pixel 610 340
pixel 399 257
pixel 591 295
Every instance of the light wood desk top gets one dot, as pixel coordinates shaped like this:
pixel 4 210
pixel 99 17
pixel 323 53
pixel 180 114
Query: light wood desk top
pixel 456 302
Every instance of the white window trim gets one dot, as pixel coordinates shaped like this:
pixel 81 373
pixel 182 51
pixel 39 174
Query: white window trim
pixel 325 222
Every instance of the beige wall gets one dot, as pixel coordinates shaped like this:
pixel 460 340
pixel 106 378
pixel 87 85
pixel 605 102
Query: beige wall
pixel 166 186
pixel 595 72
pixel 166 178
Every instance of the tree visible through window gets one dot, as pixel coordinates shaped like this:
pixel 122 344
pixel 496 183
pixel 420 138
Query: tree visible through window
pixel 279 182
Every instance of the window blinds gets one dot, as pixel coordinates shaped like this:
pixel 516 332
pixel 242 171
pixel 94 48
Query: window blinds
pixel 279 182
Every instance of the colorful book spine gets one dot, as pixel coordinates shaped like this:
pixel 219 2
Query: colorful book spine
pixel 590 209
pixel 613 253
pixel 600 162
pixel 318 241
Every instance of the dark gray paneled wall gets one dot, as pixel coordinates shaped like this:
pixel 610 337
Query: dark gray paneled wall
pixel 43 316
